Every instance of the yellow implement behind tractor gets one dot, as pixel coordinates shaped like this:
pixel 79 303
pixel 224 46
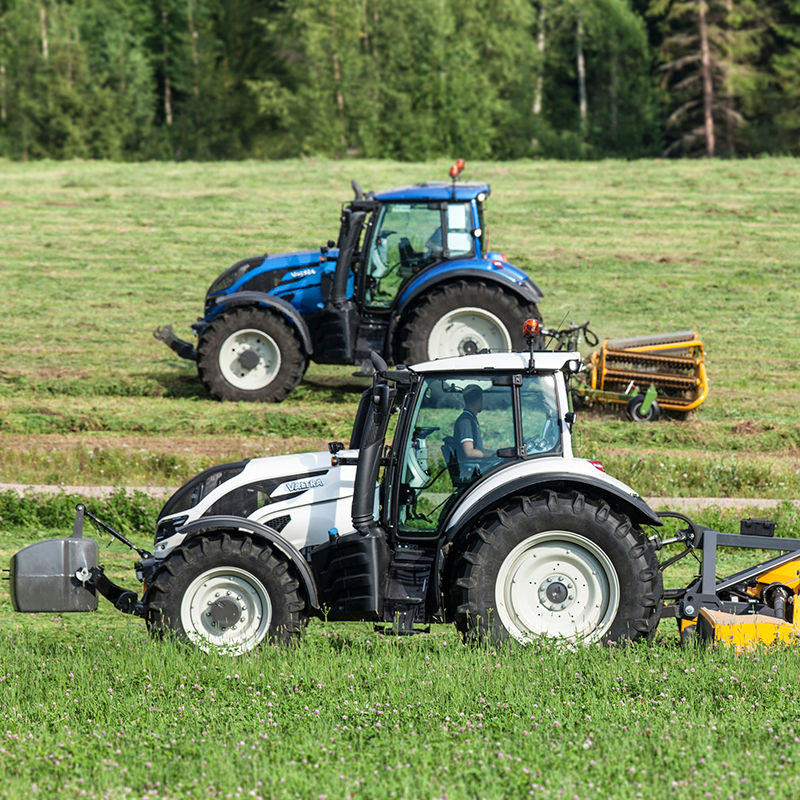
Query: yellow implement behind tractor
pixel 756 606
pixel 673 363
pixel 646 374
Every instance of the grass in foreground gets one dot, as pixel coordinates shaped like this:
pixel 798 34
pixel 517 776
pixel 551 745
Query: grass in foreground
pixel 93 708
pixel 350 713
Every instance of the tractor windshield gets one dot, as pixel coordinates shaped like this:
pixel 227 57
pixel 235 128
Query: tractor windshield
pixel 464 427
pixel 409 237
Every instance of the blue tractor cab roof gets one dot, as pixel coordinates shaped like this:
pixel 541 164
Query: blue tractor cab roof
pixel 436 190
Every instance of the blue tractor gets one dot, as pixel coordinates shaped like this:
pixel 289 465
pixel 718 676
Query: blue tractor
pixel 409 277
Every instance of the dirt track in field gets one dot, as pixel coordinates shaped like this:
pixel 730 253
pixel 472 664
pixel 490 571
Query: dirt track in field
pixel 685 504
pixel 211 446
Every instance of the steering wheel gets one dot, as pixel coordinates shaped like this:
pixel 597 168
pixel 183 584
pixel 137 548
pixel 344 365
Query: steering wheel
pixel 546 440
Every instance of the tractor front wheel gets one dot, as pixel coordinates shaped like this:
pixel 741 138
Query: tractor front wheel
pixel 227 593
pixel 560 566
pixel 460 319
pixel 250 354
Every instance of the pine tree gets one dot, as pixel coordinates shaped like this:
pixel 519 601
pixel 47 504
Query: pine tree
pixel 710 53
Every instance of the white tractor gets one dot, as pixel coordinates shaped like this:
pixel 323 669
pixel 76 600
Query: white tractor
pixel 482 516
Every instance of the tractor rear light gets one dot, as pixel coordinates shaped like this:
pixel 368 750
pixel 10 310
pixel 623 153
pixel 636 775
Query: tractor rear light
pixel 597 465
pixel 531 327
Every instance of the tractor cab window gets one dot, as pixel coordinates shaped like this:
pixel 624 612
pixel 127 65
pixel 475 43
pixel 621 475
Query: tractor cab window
pixel 460 430
pixel 407 238
pixel 541 431
pixel 459 230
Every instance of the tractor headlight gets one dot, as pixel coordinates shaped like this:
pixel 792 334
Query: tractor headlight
pixel 167 527
pixel 227 279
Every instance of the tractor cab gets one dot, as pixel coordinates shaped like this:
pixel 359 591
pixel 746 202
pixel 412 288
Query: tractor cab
pixel 458 428
pixel 462 421
pixel 414 228
pixel 462 429
pixel 386 242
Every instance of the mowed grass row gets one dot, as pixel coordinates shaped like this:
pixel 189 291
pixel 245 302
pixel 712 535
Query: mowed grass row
pixel 92 707
pixel 96 255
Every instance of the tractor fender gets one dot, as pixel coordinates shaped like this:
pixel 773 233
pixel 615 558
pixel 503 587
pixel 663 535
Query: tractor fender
pixel 504 275
pixel 507 277
pixel 249 298
pixel 474 504
pixel 257 531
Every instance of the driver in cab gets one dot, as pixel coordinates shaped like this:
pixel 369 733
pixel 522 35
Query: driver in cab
pixel 467 429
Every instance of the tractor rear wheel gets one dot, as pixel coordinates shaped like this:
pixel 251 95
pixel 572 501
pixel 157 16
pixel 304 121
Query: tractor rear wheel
pixel 462 318
pixel 250 354
pixel 560 566
pixel 227 593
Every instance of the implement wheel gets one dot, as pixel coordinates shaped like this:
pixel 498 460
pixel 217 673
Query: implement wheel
pixel 633 410
pixel 560 566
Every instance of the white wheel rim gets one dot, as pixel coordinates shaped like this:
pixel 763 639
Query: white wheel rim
pixel 226 609
pixel 557 584
pixel 234 355
pixel 468 330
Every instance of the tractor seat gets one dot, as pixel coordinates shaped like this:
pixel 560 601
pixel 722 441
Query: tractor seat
pixel 462 471
pixel 449 454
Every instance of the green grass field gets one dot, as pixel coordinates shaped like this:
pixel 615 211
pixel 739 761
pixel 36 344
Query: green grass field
pixel 96 255
pixel 93 256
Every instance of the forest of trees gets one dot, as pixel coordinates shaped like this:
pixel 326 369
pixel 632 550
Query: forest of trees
pixel 404 79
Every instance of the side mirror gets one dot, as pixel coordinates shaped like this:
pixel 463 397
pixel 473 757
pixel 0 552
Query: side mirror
pixel 377 362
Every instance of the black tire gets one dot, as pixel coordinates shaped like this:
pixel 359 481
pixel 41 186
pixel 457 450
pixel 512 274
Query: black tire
pixel 276 359
pixel 573 536
pixel 633 410
pixel 210 591
pixel 414 333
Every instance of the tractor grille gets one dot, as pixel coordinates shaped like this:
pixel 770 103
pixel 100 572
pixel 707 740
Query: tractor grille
pixel 279 523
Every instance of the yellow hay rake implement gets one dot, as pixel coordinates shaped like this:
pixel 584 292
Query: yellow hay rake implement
pixel 646 374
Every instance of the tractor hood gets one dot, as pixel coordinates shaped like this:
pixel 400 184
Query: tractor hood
pixel 300 496
pixel 252 485
pixel 263 273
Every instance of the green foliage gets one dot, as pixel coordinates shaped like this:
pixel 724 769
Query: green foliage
pixel 133 512
pixel 411 79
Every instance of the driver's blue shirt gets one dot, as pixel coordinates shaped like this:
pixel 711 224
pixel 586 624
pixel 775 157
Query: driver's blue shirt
pixel 467 428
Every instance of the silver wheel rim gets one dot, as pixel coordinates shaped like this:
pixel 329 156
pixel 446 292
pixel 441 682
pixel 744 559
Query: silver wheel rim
pixel 249 359
pixel 233 594
pixel 557 584
pixel 468 330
